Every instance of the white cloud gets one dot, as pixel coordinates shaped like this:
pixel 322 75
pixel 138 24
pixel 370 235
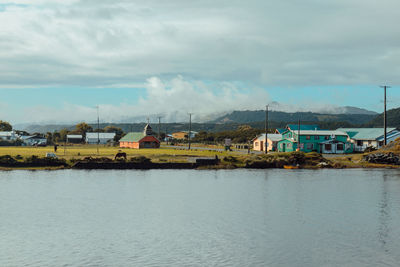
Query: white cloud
pixel 172 99
pixel 102 43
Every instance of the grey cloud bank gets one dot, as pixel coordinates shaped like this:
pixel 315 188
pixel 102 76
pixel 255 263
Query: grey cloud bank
pixel 118 43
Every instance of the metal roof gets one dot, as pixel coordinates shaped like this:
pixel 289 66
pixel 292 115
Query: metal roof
pixel 132 137
pixel 365 133
pixel 321 132
pixel 100 135
pixel 272 137
pixel 295 127
pixel 75 136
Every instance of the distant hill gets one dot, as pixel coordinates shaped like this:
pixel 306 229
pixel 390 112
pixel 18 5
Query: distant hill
pixel 280 116
pixel 354 110
pixel 393 119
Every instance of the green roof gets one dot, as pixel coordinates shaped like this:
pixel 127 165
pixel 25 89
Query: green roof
pixel 132 137
pixel 364 133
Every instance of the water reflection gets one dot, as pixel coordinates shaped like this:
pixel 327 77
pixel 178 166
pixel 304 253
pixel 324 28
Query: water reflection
pixel 384 213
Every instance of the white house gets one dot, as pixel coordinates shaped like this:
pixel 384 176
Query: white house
pixel 9 136
pixel 369 137
pixel 101 138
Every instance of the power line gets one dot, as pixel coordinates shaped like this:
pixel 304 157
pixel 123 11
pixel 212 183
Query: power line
pixel 266 129
pixel 190 128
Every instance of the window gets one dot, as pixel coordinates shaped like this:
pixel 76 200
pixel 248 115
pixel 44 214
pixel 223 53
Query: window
pixel 339 147
pixel 256 144
pixel 326 137
pixel 308 137
pixel 316 137
pixel 359 143
pixel 369 142
pixel 310 146
pixel 289 145
pixel 289 135
pixel 328 147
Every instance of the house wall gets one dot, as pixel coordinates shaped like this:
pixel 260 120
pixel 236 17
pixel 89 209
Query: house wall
pixel 145 142
pixel 309 143
pixel 179 135
pixel 257 146
pixel 129 145
pixel 93 141
pixel 286 146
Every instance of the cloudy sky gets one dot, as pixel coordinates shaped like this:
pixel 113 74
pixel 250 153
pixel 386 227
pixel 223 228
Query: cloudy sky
pixel 61 58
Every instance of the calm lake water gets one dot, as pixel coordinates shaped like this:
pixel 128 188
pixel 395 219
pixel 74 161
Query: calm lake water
pixel 200 218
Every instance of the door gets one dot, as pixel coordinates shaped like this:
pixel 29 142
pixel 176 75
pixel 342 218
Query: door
pixel 283 147
pixel 262 146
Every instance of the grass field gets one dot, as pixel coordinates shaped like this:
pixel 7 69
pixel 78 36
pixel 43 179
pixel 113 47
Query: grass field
pixel 81 151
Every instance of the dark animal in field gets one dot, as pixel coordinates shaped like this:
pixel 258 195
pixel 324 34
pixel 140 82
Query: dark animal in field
pixel 120 155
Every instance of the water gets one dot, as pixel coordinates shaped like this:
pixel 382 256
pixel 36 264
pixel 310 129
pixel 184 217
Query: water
pixel 200 218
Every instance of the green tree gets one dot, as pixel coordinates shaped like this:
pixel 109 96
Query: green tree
pixel 63 135
pixel 49 137
pixel 82 128
pixel 5 126
pixel 113 129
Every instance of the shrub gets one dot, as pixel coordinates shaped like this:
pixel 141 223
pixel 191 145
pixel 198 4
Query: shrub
pixel 140 159
pixel 7 160
pixel 230 159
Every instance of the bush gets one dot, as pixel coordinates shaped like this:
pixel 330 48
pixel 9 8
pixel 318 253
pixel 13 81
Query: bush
pixel 230 159
pixel 7 160
pixel 140 159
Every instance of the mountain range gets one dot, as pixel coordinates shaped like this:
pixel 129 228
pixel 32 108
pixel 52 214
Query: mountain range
pixel 255 118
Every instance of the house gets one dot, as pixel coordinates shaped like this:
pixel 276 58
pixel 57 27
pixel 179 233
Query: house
pixel 184 134
pixel 75 138
pixel 369 137
pixel 33 140
pixel 138 140
pixel 101 138
pixel 322 141
pixel 273 139
pixel 8 136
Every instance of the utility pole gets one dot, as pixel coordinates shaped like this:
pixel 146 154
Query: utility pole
pixel 190 128
pixel 266 129
pixel 384 115
pixel 98 129
pixel 298 135
pixel 159 127
pixel 166 133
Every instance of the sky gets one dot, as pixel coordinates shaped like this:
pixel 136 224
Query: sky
pixel 59 59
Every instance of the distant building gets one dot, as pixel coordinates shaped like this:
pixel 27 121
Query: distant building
pixel 75 138
pixel 184 134
pixel 362 138
pixel 33 140
pixel 139 140
pixel 101 138
pixel 9 136
pixel 273 139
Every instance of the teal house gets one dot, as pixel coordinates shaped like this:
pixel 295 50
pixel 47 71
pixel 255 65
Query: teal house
pixel 321 141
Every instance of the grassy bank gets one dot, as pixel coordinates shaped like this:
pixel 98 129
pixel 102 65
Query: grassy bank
pixel 82 151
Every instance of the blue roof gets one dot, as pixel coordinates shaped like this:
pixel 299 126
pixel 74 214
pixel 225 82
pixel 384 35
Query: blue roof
pixel 294 127
pixel 281 130
pixel 365 133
